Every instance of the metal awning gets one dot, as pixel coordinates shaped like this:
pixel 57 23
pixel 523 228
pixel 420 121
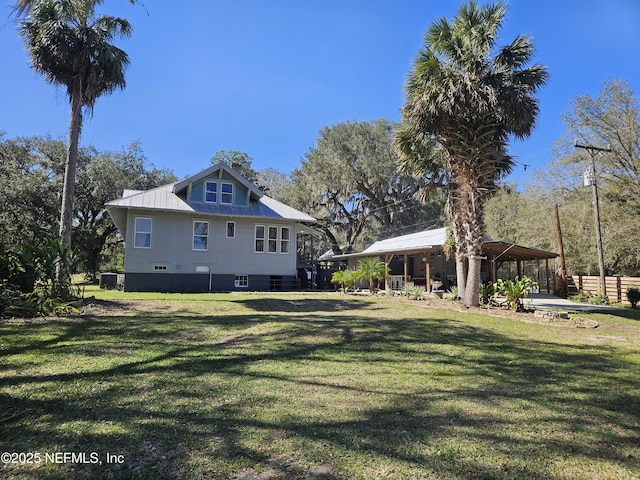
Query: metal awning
pixel 510 252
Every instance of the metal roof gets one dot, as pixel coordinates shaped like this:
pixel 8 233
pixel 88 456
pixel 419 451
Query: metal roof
pixel 434 240
pixel 419 241
pixel 166 199
pixel 509 252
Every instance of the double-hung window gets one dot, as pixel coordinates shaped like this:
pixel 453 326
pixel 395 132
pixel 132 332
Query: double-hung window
pixel 273 239
pixel 200 235
pixel 284 240
pixel 259 244
pixel 226 193
pixel 211 192
pixel 142 237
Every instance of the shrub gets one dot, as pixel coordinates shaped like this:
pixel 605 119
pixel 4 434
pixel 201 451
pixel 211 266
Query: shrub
pixel 453 294
pixel 599 300
pixel 587 297
pixel 373 270
pixel 345 278
pixel 633 295
pixel 414 292
pixel 28 281
pixel 486 290
pixel 514 290
pixel 14 303
pixel 581 297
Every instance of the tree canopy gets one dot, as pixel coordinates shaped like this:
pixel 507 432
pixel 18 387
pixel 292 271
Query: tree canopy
pixel 350 182
pixel 238 159
pixel 31 175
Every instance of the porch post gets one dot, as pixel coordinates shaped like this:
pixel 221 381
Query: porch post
pixel 406 269
pixel 492 268
pixel 427 272
pixel 387 284
pixel 547 266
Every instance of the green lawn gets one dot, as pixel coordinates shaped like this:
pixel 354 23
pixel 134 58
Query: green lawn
pixel 315 386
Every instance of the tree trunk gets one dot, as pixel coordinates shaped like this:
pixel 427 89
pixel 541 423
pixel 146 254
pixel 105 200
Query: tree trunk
pixel 461 274
pixel 335 246
pixel 75 125
pixel 472 291
pixel 66 214
pixel 474 238
pixel 453 213
pixel 469 224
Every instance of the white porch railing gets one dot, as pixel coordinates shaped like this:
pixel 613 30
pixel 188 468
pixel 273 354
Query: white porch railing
pixel 396 282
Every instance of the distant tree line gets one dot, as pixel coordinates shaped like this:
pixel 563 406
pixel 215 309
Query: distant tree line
pixel 611 119
pixel 31 178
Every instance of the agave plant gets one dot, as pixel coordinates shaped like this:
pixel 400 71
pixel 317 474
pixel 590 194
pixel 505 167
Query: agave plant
pixel 407 289
pixel 414 292
pixel 453 294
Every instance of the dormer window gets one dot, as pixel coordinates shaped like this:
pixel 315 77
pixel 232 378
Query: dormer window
pixel 227 193
pixel 211 192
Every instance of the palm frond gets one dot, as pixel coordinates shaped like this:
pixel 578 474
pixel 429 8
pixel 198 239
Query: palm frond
pixel 70 48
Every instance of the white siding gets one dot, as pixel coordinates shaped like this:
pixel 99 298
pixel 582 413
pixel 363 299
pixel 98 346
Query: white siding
pixel 172 245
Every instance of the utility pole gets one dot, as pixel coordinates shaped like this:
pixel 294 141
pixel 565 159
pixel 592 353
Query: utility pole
pixel 593 151
pixel 563 266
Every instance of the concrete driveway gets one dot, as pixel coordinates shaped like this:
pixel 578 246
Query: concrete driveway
pixel 545 301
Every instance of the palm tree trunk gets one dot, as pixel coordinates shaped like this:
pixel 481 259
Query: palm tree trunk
pixel 474 236
pixel 461 274
pixel 75 125
pixel 66 214
pixel 472 291
pixel 453 214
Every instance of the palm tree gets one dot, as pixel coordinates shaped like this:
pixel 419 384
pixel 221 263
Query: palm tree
pixel 23 6
pixel 371 269
pixel 470 97
pixel 70 47
pixel 344 278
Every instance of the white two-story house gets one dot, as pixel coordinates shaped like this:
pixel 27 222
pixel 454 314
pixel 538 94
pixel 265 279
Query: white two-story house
pixel 213 231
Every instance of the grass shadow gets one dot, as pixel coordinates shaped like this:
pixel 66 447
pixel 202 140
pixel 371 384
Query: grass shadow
pixel 344 388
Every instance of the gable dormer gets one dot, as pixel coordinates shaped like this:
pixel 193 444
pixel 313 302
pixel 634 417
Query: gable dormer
pixel 218 185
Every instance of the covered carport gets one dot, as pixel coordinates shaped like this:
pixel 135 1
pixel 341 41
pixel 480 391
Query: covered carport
pixel 527 261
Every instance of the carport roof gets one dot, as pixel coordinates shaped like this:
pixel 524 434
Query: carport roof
pixel 506 251
pixel 428 240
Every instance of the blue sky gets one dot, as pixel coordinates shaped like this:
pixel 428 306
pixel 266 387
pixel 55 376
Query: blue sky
pixel 265 77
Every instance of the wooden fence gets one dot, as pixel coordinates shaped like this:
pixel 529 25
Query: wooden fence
pixel 616 286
